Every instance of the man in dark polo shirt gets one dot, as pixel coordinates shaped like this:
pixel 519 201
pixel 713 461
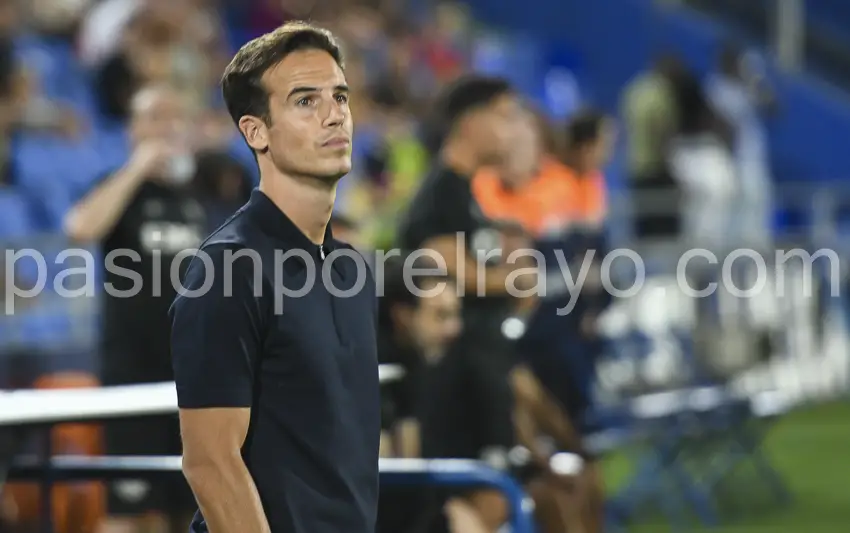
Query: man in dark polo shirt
pixel 274 336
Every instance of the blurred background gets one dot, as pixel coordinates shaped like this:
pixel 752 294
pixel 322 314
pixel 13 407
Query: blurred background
pixel 727 119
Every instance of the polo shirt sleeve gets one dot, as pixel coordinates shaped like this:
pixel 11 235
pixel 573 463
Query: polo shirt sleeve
pixel 216 335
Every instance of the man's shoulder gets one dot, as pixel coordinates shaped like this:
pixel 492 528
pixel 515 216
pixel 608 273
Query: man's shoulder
pixel 442 180
pixel 444 197
pixel 238 232
pixel 237 237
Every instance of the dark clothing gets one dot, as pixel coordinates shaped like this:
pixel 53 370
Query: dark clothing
pixel 558 349
pixel 305 365
pixel 445 206
pixel 657 202
pixel 158 223
pixel 399 398
pixel 469 402
pixel 402 508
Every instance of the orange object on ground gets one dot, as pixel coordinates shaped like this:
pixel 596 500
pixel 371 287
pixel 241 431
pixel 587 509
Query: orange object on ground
pixel 77 507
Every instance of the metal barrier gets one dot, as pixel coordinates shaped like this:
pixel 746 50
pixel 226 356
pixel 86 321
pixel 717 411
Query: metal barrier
pixel 455 472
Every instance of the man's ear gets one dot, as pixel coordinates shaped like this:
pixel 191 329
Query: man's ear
pixel 255 131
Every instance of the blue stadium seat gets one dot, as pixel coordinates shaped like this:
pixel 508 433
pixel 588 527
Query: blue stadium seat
pixel 46 327
pixel 833 14
pixel 15 217
pixel 57 72
pixel 54 172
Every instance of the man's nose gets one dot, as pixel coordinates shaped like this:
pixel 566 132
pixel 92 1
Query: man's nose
pixel 335 115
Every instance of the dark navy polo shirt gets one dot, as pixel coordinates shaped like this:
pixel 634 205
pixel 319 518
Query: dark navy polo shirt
pixel 303 360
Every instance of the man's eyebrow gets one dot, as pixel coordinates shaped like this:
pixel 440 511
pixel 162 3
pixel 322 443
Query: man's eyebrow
pixel 301 90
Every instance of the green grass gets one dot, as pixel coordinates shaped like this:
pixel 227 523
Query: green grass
pixel 811 449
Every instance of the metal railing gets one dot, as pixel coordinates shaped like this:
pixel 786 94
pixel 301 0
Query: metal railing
pixel 439 472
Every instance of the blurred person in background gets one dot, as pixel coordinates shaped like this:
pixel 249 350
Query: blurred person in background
pixel 558 196
pixel 471 401
pixel 223 186
pixel 22 106
pixel 474 115
pixel 143 215
pixel 566 361
pixel 418 324
pixel 115 83
pixel 738 93
pixel 445 43
pixel 650 111
pixel 701 162
pixel 393 164
pixel 179 42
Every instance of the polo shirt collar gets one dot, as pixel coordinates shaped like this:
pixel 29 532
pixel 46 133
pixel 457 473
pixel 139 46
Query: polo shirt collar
pixel 277 224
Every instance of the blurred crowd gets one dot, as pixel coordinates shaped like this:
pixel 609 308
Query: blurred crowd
pixel 96 95
pixel 701 146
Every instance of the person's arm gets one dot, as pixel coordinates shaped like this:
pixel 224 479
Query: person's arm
pixel 464 268
pixel 213 466
pixel 407 439
pixel 434 224
pixel 216 344
pixel 93 217
pixel 543 410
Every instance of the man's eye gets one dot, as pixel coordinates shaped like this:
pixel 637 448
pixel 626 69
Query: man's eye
pixel 342 98
pixel 304 101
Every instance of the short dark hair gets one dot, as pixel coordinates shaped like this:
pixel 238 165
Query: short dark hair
pixel 584 128
pixel 241 84
pixel 459 97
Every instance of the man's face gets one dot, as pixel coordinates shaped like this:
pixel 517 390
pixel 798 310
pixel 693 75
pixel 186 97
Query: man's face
pixel 435 322
pixel 490 127
pixel 526 149
pixel 160 114
pixel 311 125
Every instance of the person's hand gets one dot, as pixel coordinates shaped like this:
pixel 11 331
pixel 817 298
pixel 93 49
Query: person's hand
pixel 151 157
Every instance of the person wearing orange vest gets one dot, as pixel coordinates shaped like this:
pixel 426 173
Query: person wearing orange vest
pixel 560 200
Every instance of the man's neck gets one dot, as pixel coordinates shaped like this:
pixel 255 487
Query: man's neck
pixel 308 202
pixel 460 158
